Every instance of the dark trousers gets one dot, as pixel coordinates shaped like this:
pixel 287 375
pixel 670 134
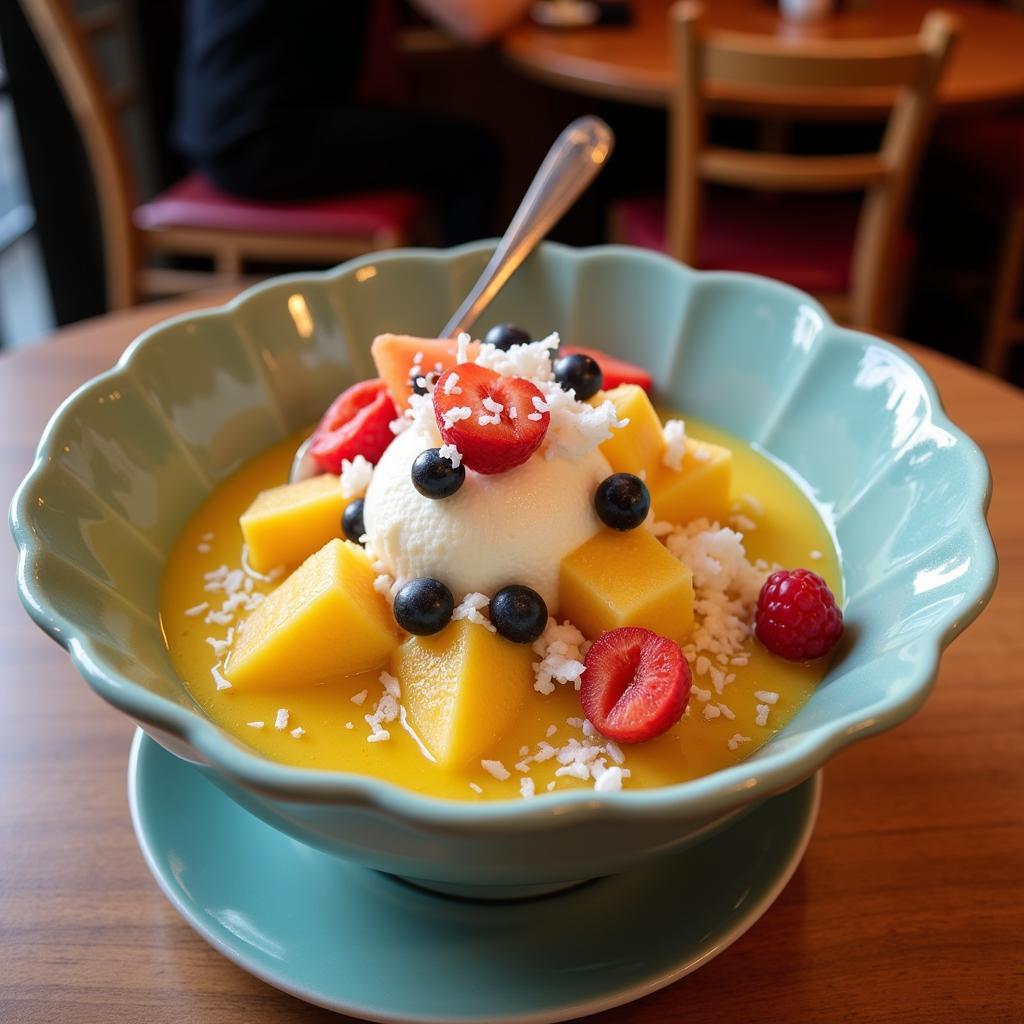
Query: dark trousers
pixel 314 152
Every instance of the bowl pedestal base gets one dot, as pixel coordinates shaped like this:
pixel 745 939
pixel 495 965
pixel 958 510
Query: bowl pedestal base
pixel 370 945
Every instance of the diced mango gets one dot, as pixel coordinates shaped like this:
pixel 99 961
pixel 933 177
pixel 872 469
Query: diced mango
pixel 324 622
pixel 287 524
pixel 626 579
pixel 637 447
pixel 700 488
pixel 462 688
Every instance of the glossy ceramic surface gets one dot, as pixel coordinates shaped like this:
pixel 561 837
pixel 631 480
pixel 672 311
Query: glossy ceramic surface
pixel 326 930
pixel 127 458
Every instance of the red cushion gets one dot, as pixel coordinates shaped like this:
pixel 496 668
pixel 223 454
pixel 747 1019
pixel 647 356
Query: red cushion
pixel 193 202
pixel 804 240
pixel 991 148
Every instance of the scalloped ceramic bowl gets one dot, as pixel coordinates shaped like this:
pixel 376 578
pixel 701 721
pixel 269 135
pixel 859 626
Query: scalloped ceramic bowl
pixel 128 457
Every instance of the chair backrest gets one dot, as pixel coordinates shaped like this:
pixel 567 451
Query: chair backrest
pixel 773 73
pixel 66 43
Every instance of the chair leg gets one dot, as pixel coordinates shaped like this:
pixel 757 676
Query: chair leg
pixel 227 262
pixel 1007 296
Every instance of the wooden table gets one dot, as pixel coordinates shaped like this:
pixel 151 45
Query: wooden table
pixel 909 904
pixel 633 64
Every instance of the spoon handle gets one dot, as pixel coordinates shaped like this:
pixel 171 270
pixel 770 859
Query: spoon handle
pixel 574 160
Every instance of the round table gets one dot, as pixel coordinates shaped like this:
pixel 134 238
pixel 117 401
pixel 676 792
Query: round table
pixel 632 64
pixel 908 905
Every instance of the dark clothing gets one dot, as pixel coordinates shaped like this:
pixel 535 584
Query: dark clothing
pixel 270 108
pixel 245 60
pixel 323 151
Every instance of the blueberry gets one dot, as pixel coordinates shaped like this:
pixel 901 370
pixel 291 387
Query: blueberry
pixel 622 501
pixel 504 336
pixel 579 373
pixel 434 476
pixel 428 380
pixel 352 524
pixel 424 606
pixel 519 614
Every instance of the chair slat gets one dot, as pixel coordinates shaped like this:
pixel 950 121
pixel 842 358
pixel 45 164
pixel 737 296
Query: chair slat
pixel 748 61
pixel 783 172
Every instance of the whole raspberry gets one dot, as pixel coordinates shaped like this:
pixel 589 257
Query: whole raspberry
pixel 797 617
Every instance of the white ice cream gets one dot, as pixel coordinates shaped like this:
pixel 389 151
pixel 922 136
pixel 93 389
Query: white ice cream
pixel 512 527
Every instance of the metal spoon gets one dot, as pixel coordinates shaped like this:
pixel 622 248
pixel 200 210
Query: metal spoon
pixel 572 163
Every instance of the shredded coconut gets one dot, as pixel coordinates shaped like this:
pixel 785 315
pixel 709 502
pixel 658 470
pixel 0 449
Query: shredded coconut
pixel 526 788
pixel 452 454
pixel 576 428
pixel 674 432
pixel 726 586
pixel 476 789
pixel 495 768
pixel 298 731
pixel 470 608
pixel 455 414
pixel 767 696
pixel 196 610
pixel 356 475
pixel 222 683
pixel 391 685
pixel 532 360
pixel 281 721
pixel 562 649
pixel 462 348
pixel 762 715
pixel 609 781
pixel 736 739
pixel 451 384
pixel 255 725
pixel 358 698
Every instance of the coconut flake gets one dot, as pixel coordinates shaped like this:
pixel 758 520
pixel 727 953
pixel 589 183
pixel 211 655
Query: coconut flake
pixel 356 475
pixel 674 432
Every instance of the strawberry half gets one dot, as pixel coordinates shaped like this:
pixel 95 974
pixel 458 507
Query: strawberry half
pixel 492 420
pixel 357 423
pixel 636 684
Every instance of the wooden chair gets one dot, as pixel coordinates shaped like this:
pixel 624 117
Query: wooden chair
pixel 987 156
pixel 192 217
pixel 829 242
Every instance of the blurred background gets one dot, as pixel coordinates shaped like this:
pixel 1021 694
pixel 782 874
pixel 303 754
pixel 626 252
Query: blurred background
pixel 155 147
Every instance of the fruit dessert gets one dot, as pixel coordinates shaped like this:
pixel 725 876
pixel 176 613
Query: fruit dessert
pixel 511 576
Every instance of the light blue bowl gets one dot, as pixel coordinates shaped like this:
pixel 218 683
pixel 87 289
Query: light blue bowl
pixel 128 457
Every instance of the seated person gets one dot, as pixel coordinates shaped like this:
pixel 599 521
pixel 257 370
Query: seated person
pixel 288 99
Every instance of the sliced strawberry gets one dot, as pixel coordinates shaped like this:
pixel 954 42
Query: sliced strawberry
pixel 614 371
pixel 357 423
pixel 491 440
pixel 636 684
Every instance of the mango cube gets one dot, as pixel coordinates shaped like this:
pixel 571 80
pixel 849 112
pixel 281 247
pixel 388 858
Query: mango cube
pixel 700 488
pixel 637 447
pixel 287 524
pixel 626 579
pixel 463 688
pixel 324 622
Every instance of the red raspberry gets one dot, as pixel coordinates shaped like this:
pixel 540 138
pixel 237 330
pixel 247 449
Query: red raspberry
pixel 636 684
pixel 797 617
pixel 357 423
pixel 504 439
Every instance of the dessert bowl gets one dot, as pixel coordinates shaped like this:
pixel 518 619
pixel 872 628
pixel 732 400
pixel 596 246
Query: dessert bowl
pixel 129 456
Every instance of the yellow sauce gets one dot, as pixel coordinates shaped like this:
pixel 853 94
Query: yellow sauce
pixel 789 531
